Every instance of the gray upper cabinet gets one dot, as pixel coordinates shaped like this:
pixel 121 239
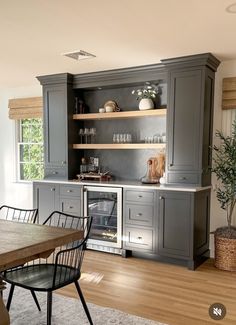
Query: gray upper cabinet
pixel 59 128
pixel 55 125
pixel 189 118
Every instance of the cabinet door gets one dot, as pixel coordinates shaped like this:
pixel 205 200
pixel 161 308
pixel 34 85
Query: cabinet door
pixel 175 224
pixel 55 125
pixel 184 120
pixel 46 198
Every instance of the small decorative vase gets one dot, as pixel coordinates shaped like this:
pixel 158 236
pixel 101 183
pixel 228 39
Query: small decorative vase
pixel 146 103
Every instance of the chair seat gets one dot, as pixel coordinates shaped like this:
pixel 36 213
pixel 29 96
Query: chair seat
pixel 39 277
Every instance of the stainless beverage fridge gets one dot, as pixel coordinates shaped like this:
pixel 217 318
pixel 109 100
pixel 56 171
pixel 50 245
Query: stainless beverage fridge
pixel 104 204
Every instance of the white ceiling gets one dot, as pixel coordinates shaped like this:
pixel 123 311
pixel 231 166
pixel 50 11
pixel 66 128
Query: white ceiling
pixel 121 33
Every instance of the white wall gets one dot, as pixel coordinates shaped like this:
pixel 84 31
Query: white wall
pixel 11 192
pixel 222 121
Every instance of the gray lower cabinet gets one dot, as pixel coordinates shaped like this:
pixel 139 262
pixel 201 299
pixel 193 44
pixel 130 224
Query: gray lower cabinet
pixel 46 199
pixel 183 226
pixel 70 199
pixel 49 197
pixel 139 220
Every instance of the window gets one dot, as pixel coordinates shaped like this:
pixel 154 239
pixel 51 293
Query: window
pixel 30 149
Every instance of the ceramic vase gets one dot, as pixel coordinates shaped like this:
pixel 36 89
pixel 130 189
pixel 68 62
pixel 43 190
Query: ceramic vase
pixel 146 103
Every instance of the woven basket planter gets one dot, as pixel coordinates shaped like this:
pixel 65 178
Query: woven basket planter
pixel 225 253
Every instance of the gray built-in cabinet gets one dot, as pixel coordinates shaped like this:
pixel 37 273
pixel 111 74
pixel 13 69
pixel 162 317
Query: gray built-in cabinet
pixel 48 197
pixel 173 225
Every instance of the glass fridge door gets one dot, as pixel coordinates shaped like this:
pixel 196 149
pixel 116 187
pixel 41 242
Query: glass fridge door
pixel 104 205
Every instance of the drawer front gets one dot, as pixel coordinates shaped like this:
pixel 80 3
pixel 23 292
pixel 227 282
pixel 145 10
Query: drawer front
pixel 70 206
pixel 142 215
pixel 139 196
pixel 70 190
pixel 182 178
pixel 141 239
pixel 55 172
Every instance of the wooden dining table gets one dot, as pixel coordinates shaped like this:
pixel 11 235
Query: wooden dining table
pixel 24 242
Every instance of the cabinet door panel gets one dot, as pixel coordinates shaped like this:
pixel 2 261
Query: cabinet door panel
pixel 138 238
pixel 55 125
pixel 71 206
pixel 184 120
pixel 45 199
pixel 142 215
pixel 174 231
pixel 140 196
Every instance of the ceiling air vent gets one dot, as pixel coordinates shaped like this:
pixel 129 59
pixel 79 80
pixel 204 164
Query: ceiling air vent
pixel 79 55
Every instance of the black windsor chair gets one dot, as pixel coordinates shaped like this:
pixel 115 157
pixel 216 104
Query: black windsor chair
pixel 16 214
pixel 20 215
pixel 61 268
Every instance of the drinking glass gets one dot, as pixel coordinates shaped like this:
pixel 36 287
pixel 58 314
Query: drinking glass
pixel 81 134
pixel 93 133
pixel 87 135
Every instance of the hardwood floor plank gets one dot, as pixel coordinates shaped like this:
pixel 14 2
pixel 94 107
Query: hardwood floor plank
pixel 163 292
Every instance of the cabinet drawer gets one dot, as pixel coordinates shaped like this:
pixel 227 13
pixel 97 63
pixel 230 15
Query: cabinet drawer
pixel 142 215
pixel 182 178
pixel 141 239
pixel 139 196
pixel 54 172
pixel 70 190
pixel 70 206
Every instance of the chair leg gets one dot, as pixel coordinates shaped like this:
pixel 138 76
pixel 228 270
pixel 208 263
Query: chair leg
pixel 83 302
pixel 49 308
pixel 10 297
pixel 35 299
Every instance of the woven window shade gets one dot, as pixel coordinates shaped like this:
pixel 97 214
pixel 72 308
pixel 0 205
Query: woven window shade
pixel 229 93
pixel 21 108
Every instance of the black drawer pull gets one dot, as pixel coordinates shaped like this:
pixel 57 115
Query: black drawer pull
pixel 139 237
pixel 52 189
pixel 161 198
pixel 139 214
pixel 55 173
pixel 71 207
pixel 171 164
pixel 182 178
pixel 69 191
pixel 140 196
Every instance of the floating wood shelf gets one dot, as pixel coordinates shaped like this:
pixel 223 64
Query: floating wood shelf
pixel 120 146
pixel 120 115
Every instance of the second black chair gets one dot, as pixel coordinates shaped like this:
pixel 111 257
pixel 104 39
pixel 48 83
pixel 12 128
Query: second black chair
pixel 60 269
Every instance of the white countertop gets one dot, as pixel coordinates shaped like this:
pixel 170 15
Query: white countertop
pixel 127 184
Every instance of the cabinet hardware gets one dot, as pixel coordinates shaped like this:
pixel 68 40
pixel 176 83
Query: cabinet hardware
pixel 171 164
pixel 52 189
pixel 63 162
pixel 182 178
pixel 140 196
pixel 54 173
pixel 71 207
pixel 139 238
pixel 139 215
pixel 69 191
pixel 161 197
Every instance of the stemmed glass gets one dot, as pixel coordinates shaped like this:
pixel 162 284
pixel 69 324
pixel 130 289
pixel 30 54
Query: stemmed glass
pixel 93 133
pixel 87 135
pixel 81 134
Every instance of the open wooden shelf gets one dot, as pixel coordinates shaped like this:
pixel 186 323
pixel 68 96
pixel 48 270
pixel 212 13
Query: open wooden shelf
pixel 120 146
pixel 120 115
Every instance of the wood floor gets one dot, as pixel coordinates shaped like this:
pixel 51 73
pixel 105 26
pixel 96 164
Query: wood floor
pixel 163 292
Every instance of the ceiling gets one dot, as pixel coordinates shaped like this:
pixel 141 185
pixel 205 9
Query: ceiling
pixel 120 33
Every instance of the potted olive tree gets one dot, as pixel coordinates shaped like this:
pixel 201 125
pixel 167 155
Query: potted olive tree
pixel 224 166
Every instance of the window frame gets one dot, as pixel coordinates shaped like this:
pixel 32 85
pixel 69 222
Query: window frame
pixel 18 143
